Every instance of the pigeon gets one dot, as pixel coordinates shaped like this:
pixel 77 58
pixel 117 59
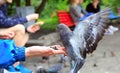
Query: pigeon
pixel 40 69
pixel 84 38
pixel 53 69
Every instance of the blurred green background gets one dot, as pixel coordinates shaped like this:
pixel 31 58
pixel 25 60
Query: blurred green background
pixel 49 8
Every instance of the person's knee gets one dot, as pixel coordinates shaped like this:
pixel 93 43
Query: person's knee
pixel 20 29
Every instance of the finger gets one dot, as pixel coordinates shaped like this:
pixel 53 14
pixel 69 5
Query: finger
pixel 4 37
pixel 61 48
pixel 8 35
pixel 58 46
pixel 60 52
pixel 33 29
pixel 37 27
pixel 11 35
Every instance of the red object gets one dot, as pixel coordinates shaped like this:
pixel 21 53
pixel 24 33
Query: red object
pixel 64 17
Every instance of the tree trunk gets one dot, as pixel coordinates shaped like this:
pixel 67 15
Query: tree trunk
pixel 41 7
pixel 17 3
pixel 28 2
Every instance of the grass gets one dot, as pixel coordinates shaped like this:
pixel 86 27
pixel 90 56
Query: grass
pixel 50 23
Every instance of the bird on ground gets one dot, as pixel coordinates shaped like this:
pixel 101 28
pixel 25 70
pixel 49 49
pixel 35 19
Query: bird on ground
pixel 53 69
pixel 84 39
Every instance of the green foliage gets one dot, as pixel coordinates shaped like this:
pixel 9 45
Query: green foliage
pixel 112 3
pixel 52 6
pixel 49 15
pixel 22 2
pixel 36 3
pixel 50 23
pixel 11 9
pixel 62 5
pixel 85 3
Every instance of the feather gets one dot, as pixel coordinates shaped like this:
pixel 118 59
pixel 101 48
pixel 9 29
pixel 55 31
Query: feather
pixel 85 37
pixel 94 29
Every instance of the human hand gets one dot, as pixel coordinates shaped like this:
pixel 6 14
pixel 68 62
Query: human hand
pixel 6 35
pixel 59 49
pixel 32 17
pixel 47 51
pixel 44 51
pixel 33 28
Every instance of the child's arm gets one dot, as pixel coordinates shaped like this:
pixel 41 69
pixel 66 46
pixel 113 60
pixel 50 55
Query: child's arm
pixel 9 22
pixel 35 51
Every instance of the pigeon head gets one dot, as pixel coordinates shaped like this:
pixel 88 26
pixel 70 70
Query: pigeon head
pixel 62 28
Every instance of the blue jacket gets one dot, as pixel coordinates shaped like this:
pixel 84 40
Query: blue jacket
pixel 10 53
pixel 6 21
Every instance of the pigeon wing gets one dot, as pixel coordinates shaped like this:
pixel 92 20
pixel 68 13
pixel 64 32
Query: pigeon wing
pixel 91 30
pixel 96 29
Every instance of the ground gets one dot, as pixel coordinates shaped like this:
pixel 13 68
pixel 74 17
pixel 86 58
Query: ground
pixel 106 59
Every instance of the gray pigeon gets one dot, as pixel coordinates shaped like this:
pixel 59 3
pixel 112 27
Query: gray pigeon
pixel 84 39
pixel 54 69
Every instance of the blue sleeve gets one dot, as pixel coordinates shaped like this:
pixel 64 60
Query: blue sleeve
pixel 8 22
pixel 10 53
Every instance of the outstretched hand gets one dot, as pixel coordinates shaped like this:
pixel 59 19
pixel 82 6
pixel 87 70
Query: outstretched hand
pixel 59 50
pixel 44 51
pixel 33 28
pixel 47 51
